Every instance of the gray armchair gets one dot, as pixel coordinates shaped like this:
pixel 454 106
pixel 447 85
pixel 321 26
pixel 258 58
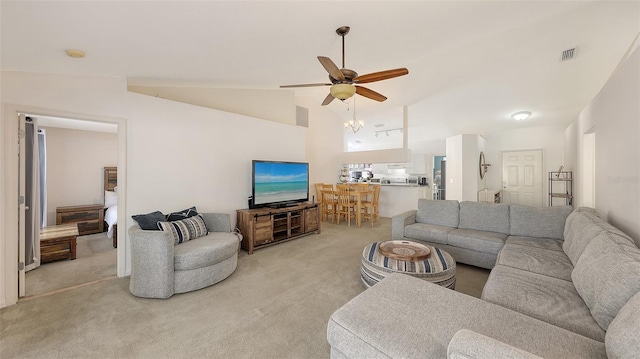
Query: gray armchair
pixel 159 268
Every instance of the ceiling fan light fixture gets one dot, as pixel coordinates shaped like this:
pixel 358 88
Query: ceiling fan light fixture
pixel 342 91
pixel 521 116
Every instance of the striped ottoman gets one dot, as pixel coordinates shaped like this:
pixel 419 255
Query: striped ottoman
pixel 438 268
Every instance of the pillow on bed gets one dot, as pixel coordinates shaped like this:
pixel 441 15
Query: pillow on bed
pixel 185 213
pixel 149 221
pixel 185 229
pixel 110 199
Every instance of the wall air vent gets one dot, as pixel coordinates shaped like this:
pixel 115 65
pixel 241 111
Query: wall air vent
pixel 569 54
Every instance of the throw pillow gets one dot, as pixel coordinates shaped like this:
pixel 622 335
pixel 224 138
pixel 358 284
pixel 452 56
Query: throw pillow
pixel 149 221
pixel 185 229
pixel 185 213
pixel 110 199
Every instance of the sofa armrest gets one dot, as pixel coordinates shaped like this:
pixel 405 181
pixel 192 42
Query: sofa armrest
pixel 398 222
pixel 152 265
pixel 467 344
pixel 217 222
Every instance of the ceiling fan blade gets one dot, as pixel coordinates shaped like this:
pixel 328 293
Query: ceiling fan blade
pixel 363 91
pixel 305 85
pixel 327 100
pixel 331 68
pixel 379 76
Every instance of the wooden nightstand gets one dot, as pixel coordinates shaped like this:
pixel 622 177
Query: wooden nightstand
pixel 90 218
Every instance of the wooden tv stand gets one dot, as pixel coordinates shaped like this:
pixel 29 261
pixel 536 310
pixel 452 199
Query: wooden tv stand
pixel 263 227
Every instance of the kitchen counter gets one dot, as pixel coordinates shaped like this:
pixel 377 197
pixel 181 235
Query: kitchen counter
pixel 401 184
pixel 396 198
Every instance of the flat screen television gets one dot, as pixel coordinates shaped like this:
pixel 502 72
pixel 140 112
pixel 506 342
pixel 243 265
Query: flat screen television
pixel 279 184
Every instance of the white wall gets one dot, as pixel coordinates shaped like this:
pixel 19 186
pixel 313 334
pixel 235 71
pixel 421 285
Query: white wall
pixel 75 167
pixel 463 176
pixel 614 117
pixel 178 155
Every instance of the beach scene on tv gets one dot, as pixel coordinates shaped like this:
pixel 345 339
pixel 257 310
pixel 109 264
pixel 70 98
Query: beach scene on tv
pixel 280 182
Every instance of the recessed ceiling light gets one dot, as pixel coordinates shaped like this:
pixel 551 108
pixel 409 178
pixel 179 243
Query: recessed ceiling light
pixel 521 116
pixel 378 125
pixel 76 54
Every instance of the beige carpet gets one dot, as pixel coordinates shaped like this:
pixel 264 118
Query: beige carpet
pixel 276 305
pixel 95 259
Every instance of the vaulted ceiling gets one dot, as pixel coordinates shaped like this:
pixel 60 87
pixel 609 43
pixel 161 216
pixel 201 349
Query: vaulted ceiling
pixel 471 63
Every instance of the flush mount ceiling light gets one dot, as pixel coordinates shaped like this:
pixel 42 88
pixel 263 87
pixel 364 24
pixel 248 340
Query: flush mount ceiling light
pixel 521 116
pixel 76 54
pixel 342 91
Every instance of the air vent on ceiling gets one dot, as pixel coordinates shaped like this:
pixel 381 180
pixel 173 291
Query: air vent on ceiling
pixel 568 54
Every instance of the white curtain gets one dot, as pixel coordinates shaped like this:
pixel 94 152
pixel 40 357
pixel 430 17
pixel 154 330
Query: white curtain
pixel 34 168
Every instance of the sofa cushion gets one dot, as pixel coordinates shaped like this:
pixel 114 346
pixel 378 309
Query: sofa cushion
pixel 545 243
pixel 149 221
pixel 481 241
pixel 481 216
pixel 622 339
pixel 205 251
pixel 547 262
pixel 441 213
pixel 606 275
pixel 467 344
pixel 428 232
pixel 581 227
pixel 546 222
pixel 549 299
pixel 185 229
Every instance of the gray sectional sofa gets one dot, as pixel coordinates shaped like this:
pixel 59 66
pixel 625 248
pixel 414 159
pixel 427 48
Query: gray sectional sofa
pixel 474 232
pixel 577 296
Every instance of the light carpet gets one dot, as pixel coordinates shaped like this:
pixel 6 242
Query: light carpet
pixel 95 259
pixel 276 305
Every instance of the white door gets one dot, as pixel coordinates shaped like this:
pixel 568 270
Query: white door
pixel 22 207
pixel 522 177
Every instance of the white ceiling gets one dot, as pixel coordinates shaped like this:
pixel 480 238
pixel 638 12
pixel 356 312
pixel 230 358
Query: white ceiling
pixel 471 63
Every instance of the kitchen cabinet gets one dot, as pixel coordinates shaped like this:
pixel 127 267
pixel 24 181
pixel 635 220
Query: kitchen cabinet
pixel 417 165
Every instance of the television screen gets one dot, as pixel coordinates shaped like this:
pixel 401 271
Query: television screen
pixel 279 183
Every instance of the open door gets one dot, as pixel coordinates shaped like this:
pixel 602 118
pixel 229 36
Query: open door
pixel 21 206
pixel 29 209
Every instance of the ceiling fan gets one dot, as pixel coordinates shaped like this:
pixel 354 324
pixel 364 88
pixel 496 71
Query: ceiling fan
pixel 344 81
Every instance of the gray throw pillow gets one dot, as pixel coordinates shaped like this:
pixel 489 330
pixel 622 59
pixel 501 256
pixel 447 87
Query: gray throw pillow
pixel 149 221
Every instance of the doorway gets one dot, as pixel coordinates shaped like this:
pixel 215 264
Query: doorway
pixel 77 153
pixel 9 277
pixel 439 175
pixel 522 178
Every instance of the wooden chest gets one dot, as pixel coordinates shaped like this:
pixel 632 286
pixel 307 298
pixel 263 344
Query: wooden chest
pixel 89 218
pixel 58 242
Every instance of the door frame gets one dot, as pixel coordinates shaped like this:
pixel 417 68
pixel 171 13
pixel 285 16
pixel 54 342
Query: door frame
pixel 9 127
pixel 543 171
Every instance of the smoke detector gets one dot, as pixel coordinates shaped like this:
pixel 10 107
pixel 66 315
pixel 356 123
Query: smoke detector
pixel 569 54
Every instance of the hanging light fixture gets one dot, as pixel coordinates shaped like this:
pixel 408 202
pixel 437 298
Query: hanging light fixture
pixel 354 125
